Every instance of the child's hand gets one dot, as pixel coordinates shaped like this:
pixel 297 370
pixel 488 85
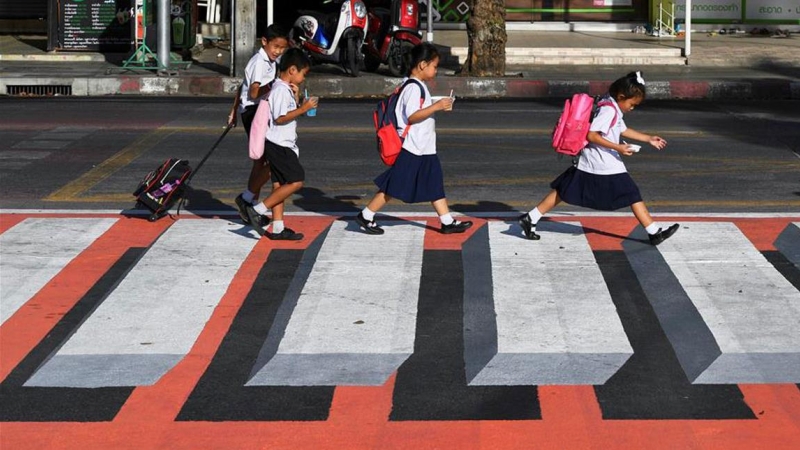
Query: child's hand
pixel 310 103
pixel 232 119
pixel 445 104
pixel 295 89
pixel 658 142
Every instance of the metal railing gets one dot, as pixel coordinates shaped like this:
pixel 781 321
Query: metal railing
pixel 665 25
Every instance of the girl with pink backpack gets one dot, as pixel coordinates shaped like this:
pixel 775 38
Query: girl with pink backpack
pixel 600 180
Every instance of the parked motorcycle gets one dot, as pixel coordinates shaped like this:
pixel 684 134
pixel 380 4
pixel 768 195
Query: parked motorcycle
pixel 335 36
pixel 391 34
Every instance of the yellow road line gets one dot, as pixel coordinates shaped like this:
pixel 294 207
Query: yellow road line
pixel 73 190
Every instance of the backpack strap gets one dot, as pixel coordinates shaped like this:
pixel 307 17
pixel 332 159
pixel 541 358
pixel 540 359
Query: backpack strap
pixel 421 99
pixel 611 104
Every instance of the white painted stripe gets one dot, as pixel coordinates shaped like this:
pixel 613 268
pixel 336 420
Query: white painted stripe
pixel 556 322
pixel 752 311
pixel 355 319
pixel 153 317
pixel 35 250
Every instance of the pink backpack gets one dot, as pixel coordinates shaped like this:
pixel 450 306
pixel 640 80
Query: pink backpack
pixel 258 129
pixel 569 134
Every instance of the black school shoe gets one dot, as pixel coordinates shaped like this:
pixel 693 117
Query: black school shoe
pixel 455 227
pixel 662 234
pixel 527 227
pixel 257 221
pixel 369 227
pixel 286 235
pixel 241 205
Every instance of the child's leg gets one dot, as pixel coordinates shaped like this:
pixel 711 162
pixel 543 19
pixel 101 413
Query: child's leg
pixel 550 201
pixel 259 176
pixel 528 221
pixel 656 234
pixel 449 224
pixel 642 214
pixel 378 201
pixel 366 218
pixel 277 211
pixel 279 194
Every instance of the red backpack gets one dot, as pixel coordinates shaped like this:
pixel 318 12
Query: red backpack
pixel 389 141
pixel 569 134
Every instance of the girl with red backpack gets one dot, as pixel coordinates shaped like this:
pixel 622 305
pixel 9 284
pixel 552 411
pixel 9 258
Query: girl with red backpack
pixel 600 180
pixel 416 175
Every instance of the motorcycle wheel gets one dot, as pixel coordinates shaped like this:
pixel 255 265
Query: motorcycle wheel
pixel 371 62
pixel 397 58
pixel 351 59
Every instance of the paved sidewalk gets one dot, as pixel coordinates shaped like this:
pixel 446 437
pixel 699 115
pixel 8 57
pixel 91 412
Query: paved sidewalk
pixel 720 66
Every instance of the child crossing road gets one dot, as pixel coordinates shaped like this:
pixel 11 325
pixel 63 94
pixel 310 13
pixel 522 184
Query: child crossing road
pixel 600 180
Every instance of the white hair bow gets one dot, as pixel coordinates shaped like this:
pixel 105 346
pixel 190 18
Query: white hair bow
pixel 639 78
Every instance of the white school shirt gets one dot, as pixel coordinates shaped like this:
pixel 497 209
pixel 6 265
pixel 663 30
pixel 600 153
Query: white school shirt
pixel 598 159
pixel 260 69
pixel 421 137
pixel 281 102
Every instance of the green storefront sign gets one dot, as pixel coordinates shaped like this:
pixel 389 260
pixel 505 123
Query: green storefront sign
pixel 777 12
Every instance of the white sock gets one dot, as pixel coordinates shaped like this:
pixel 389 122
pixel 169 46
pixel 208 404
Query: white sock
pixel 261 208
pixel 368 214
pixel 277 226
pixel 535 215
pixel 446 219
pixel 652 228
pixel 248 196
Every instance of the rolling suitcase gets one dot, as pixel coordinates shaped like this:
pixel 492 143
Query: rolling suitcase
pixel 167 185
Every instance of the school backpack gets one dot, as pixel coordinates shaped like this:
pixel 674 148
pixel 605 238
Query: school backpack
pixel 569 134
pixel 259 127
pixel 161 188
pixel 389 141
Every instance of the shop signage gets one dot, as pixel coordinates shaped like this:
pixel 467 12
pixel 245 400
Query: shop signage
pixel 95 25
pixel 711 9
pixel 773 10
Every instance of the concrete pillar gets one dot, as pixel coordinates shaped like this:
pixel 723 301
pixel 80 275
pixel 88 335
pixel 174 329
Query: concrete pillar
pixel 244 35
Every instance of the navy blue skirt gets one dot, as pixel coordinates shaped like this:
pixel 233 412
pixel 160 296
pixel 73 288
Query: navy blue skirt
pixel 601 192
pixel 413 178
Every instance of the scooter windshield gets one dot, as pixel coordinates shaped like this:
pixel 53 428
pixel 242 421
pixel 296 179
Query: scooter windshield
pixel 319 38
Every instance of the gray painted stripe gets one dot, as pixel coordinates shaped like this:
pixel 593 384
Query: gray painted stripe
pixel 788 243
pixel 355 319
pixel 153 317
pixel 555 320
pixel 750 309
pixel 36 250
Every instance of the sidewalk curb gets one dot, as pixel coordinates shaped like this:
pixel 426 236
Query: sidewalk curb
pixel 373 87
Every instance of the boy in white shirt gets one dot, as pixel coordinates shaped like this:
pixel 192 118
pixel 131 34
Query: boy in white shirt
pixel 281 146
pixel 258 76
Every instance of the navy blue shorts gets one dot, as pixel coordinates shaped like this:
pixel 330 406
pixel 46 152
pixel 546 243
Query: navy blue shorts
pixel 413 178
pixel 601 192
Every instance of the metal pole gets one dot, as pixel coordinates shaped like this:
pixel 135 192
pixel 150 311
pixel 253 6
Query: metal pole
pixel 430 20
pixel 270 9
pixel 688 29
pixel 163 10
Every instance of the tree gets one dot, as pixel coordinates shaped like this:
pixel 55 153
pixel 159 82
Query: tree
pixel 486 31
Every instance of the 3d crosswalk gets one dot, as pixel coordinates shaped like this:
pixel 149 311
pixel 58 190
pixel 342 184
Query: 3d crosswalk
pixel 535 313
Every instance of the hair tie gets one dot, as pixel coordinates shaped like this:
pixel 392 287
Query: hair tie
pixel 639 78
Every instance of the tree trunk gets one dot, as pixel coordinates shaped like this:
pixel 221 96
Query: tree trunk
pixel 486 31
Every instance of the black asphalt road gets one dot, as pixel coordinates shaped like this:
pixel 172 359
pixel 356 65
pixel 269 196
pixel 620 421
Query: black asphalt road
pixel 77 153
